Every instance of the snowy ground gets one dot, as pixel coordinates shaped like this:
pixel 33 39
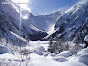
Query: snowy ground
pixel 40 58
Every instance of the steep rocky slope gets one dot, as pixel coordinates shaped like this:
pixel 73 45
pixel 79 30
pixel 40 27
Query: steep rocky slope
pixel 72 22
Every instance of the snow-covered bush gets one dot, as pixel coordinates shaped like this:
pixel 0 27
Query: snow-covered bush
pixel 75 48
pixel 57 45
pixel 20 51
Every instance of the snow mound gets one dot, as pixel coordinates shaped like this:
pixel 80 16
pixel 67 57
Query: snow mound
pixel 65 54
pixel 42 49
pixel 84 58
pixel 60 59
pixel 38 60
pixel 4 49
pixel 83 51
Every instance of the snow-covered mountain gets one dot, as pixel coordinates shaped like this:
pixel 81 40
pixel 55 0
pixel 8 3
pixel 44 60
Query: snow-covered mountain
pixel 44 22
pixel 33 28
pixel 74 21
pixel 10 22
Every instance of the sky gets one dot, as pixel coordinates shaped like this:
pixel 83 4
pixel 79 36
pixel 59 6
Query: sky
pixel 40 7
pixel 43 7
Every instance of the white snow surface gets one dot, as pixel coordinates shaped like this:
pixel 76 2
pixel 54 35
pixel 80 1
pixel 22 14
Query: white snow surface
pixel 41 58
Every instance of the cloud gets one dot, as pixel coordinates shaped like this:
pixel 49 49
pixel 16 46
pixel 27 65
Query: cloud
pixel 25 10
pixel 25 5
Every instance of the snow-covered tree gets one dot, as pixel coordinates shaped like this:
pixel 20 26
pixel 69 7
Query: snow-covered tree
pixel 77 46
pixel 57 45
pixel 50 47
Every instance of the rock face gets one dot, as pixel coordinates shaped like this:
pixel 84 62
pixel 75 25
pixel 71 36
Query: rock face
pixel 74 21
